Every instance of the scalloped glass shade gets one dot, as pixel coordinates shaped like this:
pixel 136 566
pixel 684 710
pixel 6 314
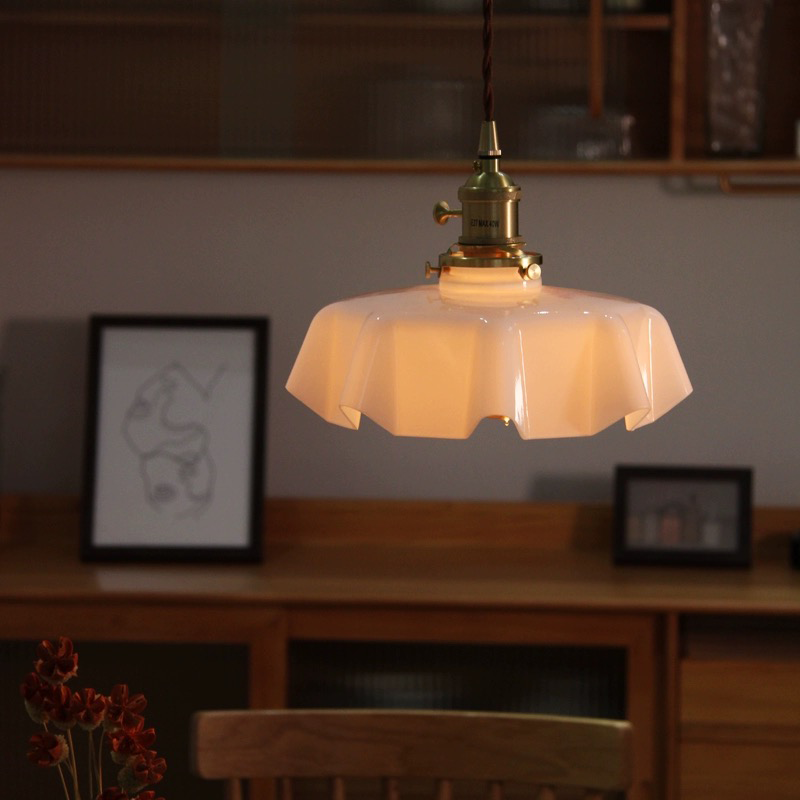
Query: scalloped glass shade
pixel 424 362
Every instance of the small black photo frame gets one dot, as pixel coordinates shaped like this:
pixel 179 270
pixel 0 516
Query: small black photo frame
pixel 174 457
pixel 683 515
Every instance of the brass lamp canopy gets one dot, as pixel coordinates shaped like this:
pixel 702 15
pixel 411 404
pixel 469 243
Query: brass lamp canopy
pixel 489 217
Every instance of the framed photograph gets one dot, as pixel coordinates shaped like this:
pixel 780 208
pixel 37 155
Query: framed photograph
pixel 175 439
pixel 682 515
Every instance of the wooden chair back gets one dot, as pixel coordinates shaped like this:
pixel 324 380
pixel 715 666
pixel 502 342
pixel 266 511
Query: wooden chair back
pixel 547 752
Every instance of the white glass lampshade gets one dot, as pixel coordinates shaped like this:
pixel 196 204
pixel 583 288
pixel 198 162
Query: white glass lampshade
pixel 425 361
pixel 489 341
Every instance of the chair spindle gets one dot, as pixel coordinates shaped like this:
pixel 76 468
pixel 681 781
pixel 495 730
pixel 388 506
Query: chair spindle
pixel 495 791
pixel 233 789
pixel 285 788
pixel 444 789
pixel 338 790
pixel 391 789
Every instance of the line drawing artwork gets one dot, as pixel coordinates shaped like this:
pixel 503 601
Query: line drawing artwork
pixel 166 428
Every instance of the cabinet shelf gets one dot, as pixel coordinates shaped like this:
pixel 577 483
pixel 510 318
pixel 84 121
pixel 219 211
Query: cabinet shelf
pixel 515 22
pixel 81 18
pixel 752 168
pixel 386 20
pixel 239 87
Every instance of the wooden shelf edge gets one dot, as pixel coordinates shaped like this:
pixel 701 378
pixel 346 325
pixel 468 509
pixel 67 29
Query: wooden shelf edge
pixel 643 167
pixel 631 21
pixel 106 19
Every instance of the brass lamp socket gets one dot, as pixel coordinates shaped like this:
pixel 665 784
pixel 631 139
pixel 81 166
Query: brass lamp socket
pixel 489 216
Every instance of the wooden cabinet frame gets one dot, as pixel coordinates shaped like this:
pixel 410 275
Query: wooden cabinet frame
pixel 267 632
pixel 637 634
pixel 685 98
pixel 262 630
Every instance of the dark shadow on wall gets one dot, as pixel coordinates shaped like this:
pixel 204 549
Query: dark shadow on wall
pixel 573 488
pixel 42 402
pixel 594 496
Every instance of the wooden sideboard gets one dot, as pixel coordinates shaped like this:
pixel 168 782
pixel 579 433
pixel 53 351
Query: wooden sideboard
pixel 711 657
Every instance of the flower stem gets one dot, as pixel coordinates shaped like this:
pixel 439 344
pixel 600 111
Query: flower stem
pixel 63 782
pixel 100 763
pixel 90 754
pixel 74 765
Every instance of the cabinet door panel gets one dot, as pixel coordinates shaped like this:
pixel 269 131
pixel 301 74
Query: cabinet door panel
pixel 743 692
pixel 739 772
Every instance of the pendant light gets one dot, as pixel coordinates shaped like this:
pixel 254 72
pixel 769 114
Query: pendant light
pixel 490 340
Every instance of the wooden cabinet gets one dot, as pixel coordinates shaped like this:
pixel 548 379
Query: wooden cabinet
pixel 501 659
pixel 410 604
pixel 580 85
pixel 740 708
pixel 739 772
pixel 183 656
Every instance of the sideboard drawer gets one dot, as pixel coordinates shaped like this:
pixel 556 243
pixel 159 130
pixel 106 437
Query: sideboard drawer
pixel 738 771
pixel 740 729
pixel 740 692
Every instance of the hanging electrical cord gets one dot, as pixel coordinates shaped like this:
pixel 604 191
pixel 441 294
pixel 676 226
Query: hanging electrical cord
pixel 488 36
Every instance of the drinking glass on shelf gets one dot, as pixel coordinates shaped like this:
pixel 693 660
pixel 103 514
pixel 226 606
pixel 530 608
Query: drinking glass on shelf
pixel 737 42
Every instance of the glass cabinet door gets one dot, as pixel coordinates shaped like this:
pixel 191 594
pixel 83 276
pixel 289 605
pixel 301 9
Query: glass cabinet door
pixel 373 80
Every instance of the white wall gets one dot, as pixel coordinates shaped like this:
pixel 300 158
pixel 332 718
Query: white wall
pixel 723 270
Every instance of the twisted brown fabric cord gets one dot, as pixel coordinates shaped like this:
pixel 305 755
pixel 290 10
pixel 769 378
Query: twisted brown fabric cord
pixel 488 92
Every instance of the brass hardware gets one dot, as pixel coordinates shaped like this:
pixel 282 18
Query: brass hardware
pixel 489 217
pixel 430 269
pixel 488 146
pixel 442 212
pixel 485 256
pixel 533 271
pixel 729 187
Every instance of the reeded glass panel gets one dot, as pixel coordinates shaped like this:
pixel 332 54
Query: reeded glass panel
pixel 309 79
pixel 577 681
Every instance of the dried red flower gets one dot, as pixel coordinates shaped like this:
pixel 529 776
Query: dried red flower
pixel 56 663
pixel 124 711
pixel 148 767
pixel 35 691
pixel 88 708
pixel 58 706
pixel 126 744
pixel 141 770
pixel 47 699
pixel 47 749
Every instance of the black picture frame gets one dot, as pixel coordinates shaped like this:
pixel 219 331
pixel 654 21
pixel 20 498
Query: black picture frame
pixel 175 438
pixel 686 516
